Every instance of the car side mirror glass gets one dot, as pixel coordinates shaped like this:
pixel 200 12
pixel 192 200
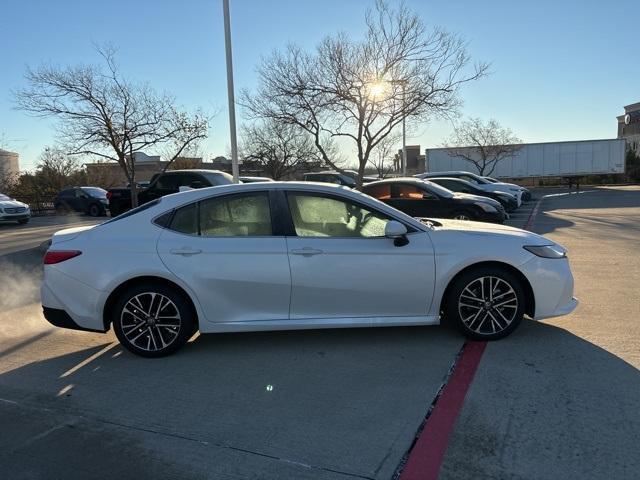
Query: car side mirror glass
pixel 394 229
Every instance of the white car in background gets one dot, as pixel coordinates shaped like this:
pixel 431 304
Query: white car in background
pixel 13 211
pixel 294 255
pixel 482 183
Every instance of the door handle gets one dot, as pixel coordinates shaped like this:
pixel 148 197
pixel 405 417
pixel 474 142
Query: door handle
pixel 185 251
pixel 306 251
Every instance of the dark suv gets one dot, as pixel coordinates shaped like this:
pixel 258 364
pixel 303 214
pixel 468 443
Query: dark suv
pixel 90 200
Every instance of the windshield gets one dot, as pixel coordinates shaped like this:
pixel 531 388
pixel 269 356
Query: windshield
pixel 438 189
pixel 4 198
pixel 95 192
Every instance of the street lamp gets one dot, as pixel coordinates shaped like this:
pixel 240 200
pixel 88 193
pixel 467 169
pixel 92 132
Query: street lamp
pixel 232 103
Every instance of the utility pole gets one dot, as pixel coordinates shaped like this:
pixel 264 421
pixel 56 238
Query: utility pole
pixel 232 102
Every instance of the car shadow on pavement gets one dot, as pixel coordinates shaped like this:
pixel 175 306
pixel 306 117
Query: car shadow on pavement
pixel 548 404
pixel 345 401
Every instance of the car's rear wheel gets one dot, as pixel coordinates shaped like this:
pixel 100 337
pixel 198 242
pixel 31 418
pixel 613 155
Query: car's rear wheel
pixel 153 320
pixel 463 215
pixel 486 303
pixel 94 210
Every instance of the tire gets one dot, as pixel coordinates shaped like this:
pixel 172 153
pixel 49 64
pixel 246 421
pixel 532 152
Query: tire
pixel 463 215
pixel 94 210
pixel 141 333
pixel 490 318
pixel 23 221
pixel 526 196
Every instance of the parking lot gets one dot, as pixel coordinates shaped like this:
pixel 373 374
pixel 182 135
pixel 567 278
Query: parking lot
pixel 558 399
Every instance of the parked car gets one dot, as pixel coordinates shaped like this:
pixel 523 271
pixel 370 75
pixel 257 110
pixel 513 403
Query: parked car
pixel 508 201
pixel 311 256
pixel 526 195
pixel 89 200
pixel 12 210
pixel 166 183
pixel 330 177
pixel 480 182
pixel 245 179
pixel 420 198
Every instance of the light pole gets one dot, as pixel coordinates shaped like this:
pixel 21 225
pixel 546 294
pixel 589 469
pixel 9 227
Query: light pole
pixel 403 83
pixel 232 103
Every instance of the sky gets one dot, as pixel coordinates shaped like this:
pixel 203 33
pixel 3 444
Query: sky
pixel 560 70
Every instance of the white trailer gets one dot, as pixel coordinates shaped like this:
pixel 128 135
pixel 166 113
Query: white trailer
pixel 553 159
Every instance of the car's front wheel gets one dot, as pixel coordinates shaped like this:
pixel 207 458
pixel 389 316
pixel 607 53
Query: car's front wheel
pixel 486 303
pixel 153 320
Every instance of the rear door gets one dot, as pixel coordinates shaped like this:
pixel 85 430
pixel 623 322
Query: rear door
pixel 225 250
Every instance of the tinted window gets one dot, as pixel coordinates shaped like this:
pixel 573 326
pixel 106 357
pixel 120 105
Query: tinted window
pixel 186 179
pixel 381 191
pixel 167 182
pixel 69 192
pixel 95 192
pixel 318 216
pixel 437 189
pixel 409 192
pixel 236 215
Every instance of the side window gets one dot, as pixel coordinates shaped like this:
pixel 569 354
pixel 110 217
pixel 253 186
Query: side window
pixel 185 220
pixel 228 216
pixel 167 182
pixel 381 192
pixel 236 216
pixel 408 192
pixel 186 179
pixel 319 216
pixel 468 179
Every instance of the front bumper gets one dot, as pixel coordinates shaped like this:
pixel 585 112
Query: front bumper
pixel 9 217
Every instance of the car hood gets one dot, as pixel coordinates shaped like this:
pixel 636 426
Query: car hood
pixel 510 185
pixel 12 204
pixel 494 229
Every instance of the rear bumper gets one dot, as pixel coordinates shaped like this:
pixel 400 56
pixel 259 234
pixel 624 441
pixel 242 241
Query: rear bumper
pixel 59 318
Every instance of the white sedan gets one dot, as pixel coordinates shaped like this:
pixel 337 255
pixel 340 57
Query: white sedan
pixel 284 255
pixel 13 210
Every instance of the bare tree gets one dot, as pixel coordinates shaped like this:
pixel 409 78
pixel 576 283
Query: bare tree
pixel 101 113
pixel 280 149
pixel 482 143
pixel 358 91
pixel 383 156
pixel 56 170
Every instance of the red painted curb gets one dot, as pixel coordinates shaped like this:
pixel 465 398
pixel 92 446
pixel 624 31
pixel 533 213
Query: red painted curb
pixel 532 215
pixel 428 452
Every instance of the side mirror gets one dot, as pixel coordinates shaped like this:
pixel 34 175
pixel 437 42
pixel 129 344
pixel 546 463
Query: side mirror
pixel 397 232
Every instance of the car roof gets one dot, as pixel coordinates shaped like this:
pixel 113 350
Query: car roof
pixel 395 180
pixel 450 172
pixel 194 170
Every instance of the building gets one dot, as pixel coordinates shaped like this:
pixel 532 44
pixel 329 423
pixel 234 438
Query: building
pixel 415 161
pixel 629 126
pixel 9 164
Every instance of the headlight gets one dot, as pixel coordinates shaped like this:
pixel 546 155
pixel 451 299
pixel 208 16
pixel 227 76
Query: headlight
pixel 486 207
pixel 547 251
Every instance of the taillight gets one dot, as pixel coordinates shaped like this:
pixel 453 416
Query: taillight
pixel 57 256
pixel 109 195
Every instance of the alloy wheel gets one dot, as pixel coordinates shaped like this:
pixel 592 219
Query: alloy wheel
pixel 488 305
pixel 150 321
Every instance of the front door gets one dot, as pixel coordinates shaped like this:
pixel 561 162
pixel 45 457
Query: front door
pixel 415 201
pixel 224 249
pixel 342 265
